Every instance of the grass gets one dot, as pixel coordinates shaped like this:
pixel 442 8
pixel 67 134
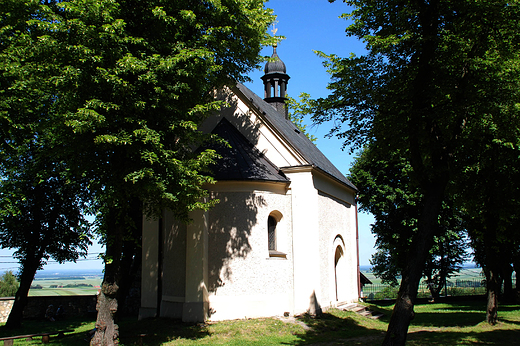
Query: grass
pixel 434 324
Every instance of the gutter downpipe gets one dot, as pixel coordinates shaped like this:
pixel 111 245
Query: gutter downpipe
pixel 357 251
pixel 159 267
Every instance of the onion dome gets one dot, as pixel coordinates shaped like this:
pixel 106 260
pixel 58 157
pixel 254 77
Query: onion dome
pixel 275 83
pixel 275 66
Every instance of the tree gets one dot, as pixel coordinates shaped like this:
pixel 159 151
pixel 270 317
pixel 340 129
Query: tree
pixel 41 217
pixel 8 284
pixel 41 204
pixel 128 83
pixel 435 73
pixel 490 198
pixel 386 191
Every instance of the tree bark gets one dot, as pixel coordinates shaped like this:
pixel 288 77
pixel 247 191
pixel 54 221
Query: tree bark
pixel 29 269
pixel 493 291
pixel 130 257
pixel 107 331
pixel 428 225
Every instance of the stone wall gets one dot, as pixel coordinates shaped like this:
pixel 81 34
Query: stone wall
pixel 73 305
pixel 5 308
pixel 36 306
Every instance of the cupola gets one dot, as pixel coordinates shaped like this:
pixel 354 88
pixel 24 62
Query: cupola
pixel 275 83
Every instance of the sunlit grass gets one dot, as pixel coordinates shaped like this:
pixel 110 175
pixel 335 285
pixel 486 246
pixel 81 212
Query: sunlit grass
pixel 435 324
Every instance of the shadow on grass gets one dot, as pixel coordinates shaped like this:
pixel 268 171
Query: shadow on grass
pixel 338 327
pixel 435 324
pixel 157 331
pixel 451 319
pixel 329 327
pixel 445 338
pixel 79 325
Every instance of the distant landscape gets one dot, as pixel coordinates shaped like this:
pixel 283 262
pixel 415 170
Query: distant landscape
pixel 66 282
pixel 468 272
pixel 87 282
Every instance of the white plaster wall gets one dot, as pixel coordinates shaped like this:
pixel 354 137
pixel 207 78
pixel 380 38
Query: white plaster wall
pixel 149 275
pixel 337 218
pixel 305 241
pixel 243 281
pixel 173 266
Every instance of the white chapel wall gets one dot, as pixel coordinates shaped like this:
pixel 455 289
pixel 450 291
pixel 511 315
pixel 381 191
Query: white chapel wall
pixel 243 281
pixel 173 266
pixel 337 220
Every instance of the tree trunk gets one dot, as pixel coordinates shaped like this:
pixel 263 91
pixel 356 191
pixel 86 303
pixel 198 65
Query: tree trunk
pixel 428 225
pixel 433 288
pixel 493 290
pixel 130 266
pixel 131 257
pixel 29 269
pixel 107 331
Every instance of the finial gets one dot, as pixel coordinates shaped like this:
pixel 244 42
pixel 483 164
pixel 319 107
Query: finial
pixel 275 29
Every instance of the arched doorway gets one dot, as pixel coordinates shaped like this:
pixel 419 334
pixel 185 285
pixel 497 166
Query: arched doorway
pixel 340 273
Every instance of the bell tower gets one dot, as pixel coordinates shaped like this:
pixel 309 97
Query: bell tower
pixel 275 83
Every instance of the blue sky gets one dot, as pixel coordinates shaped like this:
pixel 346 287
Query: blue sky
pixel 307 25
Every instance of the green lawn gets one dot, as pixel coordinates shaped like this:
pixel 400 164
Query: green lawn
pixel 435 324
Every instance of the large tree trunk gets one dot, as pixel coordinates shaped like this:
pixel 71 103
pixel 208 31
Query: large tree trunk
pixel 403 310
pixel 107 331
pixel 29 268
pixel 131 257
pixel 493 290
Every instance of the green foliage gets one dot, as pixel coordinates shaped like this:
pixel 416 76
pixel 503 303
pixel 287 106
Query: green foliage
pixel 299 110
pixel 8 284
pixel 426 88
pixel 439 79
pixel 110 93
pixel 389 292
pixel 386 191
pixel 124 85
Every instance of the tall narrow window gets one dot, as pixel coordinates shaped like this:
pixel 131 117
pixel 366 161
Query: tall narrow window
pixel 271 232
pixel 274 237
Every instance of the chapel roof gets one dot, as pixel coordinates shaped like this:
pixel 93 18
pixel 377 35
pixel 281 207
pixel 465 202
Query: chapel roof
pixel 295 137
pixel 242 160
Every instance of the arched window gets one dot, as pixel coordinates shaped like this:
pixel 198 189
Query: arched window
pixel 271 232
pixel 273 236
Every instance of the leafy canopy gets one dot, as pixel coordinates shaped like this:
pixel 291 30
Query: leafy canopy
pixel 123 86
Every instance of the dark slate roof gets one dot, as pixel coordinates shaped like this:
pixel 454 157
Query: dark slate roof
pixel 295 138
pixel 364 280
pixel 242 161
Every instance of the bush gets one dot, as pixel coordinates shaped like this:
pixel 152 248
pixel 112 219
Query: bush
pixel 8 284
pixel 387 292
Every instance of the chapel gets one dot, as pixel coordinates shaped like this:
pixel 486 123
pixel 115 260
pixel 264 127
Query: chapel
pixel 283 238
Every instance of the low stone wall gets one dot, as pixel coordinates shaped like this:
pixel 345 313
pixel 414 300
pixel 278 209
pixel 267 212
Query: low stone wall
pixel 37 305
pixel 6 303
